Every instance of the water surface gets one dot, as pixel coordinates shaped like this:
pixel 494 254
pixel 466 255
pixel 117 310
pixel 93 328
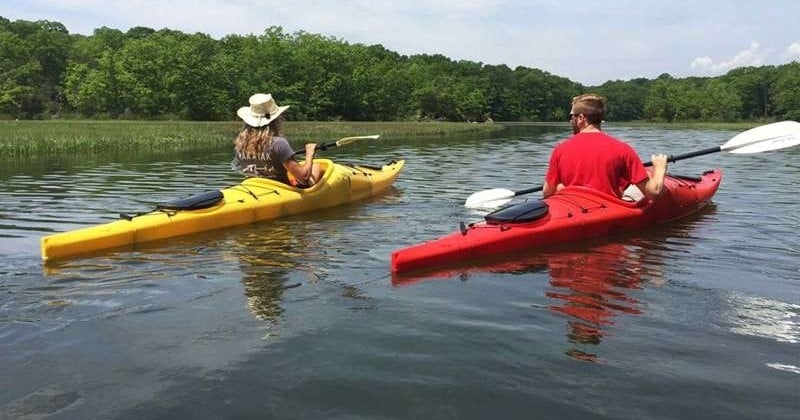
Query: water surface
pixel 300 318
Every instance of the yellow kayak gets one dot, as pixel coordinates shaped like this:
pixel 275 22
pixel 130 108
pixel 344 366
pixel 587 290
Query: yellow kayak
pixel 253 200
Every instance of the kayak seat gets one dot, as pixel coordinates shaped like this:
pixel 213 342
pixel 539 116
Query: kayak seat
pixel 517 213
pixel 632 194
pixel 195 202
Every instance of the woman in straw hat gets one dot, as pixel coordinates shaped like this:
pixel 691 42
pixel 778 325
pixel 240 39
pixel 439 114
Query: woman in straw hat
pixel 260 150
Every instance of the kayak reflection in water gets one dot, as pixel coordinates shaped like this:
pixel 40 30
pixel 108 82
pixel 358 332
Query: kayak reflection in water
pixel 590 288
pixel 266 262
pixel 285 257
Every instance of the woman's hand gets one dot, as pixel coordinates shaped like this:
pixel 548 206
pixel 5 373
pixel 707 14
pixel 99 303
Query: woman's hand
pixel 310 149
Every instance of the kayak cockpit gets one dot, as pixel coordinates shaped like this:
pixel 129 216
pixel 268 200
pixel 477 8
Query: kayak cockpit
pixel 528 211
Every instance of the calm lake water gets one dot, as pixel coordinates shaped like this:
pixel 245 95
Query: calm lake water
pixel 300 317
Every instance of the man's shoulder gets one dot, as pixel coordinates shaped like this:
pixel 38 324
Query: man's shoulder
pixel 596 136
pixel 610 140
pixel 604 135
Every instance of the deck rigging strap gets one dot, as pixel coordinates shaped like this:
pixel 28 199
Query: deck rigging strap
pixel 195 202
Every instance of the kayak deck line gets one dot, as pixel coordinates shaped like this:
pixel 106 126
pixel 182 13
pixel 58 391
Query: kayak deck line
pixel 252 200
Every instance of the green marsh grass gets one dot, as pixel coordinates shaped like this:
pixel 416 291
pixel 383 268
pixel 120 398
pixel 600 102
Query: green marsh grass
pixel 19 139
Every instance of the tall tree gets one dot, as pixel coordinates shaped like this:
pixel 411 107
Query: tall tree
pixel 17 74
pixel 659 104
pixel 625 99
pixel 754 86
pixel 787 91
pixel 33 66
pixel 720 102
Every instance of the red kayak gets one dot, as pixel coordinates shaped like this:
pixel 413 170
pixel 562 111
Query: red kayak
pixel 572 214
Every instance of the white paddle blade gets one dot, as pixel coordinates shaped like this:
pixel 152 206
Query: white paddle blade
pixel 487 199
pixel 348 140
pixel 491 205
pixel 768 137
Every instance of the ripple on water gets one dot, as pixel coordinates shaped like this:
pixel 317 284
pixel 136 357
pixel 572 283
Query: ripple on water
pixel 785 367
pixel 761 317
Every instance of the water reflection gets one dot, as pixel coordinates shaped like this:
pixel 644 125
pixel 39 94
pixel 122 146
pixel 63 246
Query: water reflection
pixel 591 286
pixel 267 256
pixel 296 252
pixel 264 254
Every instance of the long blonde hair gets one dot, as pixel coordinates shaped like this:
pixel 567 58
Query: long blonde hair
pixel 254 142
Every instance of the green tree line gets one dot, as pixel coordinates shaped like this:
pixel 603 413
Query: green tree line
pixel 46 72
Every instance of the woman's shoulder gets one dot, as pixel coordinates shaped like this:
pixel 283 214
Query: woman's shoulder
pixel 281 148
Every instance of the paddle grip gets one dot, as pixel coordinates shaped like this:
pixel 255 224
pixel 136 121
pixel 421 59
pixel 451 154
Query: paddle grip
pixel 320 146
pixel 673 158
pixel 529 190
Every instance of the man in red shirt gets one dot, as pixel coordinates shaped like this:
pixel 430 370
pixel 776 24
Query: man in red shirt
pixel 592 158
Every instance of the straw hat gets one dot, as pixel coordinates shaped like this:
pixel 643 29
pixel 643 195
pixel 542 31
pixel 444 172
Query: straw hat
pixel 262 110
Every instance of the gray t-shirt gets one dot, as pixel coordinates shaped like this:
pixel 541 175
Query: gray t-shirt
pixel 269 163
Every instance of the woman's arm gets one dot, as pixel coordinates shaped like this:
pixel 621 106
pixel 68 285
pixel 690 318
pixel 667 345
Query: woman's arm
pixel 302 173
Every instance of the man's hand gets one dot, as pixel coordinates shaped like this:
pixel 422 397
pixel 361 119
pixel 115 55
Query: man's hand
pixel 659 162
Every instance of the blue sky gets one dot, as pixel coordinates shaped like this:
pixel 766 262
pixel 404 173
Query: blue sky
pixel 587 41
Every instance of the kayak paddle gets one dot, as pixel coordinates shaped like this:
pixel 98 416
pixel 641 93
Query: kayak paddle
pixel 341 142
pixel 774 136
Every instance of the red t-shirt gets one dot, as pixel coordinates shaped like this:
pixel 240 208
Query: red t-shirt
pixel 595 160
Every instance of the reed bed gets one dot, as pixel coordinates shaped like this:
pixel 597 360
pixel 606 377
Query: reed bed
pixel 19 139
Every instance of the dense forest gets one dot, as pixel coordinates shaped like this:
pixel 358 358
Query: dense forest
pixel 46 72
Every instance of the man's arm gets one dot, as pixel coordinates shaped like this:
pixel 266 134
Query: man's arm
pixel 654 185
pixel 549 189
pixel 551 178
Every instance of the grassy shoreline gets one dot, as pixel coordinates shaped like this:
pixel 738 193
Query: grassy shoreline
pixel 37 138
pixel 22 139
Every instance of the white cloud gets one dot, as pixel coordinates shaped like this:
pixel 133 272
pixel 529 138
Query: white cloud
pixel 793 52
pixel 752 56
pixel 703 63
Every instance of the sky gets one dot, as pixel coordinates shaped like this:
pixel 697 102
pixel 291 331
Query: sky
pixel 586 41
